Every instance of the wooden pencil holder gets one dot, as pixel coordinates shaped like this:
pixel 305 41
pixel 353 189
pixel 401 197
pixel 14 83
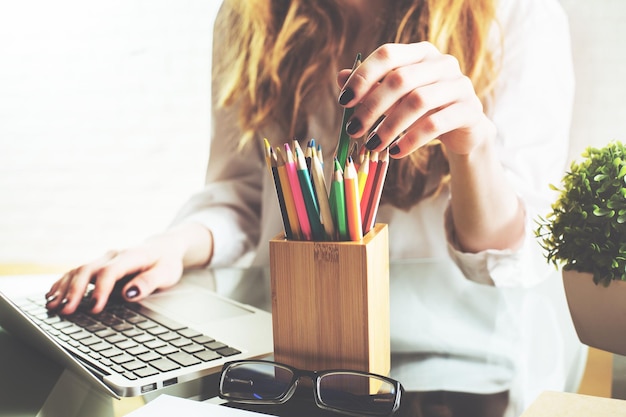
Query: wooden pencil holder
pixel 330 303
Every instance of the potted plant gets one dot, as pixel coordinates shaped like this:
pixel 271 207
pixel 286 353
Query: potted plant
pixel 585 234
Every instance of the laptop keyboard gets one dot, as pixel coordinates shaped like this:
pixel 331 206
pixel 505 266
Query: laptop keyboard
pixel 127 339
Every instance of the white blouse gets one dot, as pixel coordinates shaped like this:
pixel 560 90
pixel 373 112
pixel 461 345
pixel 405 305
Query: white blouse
pixel 492 306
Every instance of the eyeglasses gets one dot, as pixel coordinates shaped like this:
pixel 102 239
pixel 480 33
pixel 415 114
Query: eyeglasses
pixel 344 391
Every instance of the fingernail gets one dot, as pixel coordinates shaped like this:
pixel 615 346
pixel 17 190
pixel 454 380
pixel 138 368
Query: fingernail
pixel 394 150
pixel 132 292
pixel 63 302
pixel 345 96
pixel 353 126
pixel 52 298
pixel 373 141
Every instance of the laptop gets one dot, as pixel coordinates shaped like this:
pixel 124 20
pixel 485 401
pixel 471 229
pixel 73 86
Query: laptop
pixel 184 333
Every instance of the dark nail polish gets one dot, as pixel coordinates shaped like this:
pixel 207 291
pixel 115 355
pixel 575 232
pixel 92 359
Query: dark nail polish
pixel 373 142
pixel 345 96
pixel 394 150
pixel 52 298
pixel 353 126
pixel 132 292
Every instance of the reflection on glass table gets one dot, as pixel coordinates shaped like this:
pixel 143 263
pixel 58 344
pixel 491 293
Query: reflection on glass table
pixel 466 347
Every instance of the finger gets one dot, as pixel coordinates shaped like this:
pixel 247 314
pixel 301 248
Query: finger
pixel 457 116
pixel 124 264
pixel 376 66
pixel 153 279
pixel 398 83
pixel 72 290
pixel 342 77
pixel 66 293
pixel 415 105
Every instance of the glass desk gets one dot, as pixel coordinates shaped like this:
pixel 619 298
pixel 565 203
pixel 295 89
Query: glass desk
pixel 448 384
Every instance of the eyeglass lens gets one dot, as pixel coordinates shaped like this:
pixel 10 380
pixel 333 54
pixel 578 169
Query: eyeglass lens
pixel 257 381
pixel 359 393
pixel 343 391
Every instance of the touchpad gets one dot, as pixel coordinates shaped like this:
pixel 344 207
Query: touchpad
pixel 193 306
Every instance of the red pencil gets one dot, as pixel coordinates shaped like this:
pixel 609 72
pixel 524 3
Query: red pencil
pixel 377 191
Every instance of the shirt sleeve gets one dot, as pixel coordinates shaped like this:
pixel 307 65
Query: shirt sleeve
pixel 532 109
pixel 229 205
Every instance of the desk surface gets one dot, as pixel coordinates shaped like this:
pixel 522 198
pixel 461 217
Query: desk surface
pixel 30 384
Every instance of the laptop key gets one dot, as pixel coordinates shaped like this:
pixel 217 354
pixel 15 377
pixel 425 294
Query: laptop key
pixel 133 365
pixel 154 344
pixel 123 358
pixel 149 357
pixel 184 359
pixel 189 333
pixel 109 353
pixel 166 350
pixel 215 345
pixel 207 355
pixel 137 350
pixel 164 365
pixel 180 342
pixel 228 351
pixel 144 372
pixel 192 348
pixel 203 339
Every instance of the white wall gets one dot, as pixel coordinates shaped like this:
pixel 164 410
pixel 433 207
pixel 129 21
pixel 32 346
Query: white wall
pixel 104 122
pixel 599 49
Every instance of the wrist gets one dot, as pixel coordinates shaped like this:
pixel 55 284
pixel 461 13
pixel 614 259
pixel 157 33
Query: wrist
pixel 192 243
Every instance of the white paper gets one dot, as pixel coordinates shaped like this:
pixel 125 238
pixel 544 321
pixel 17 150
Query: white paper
pixel 167 406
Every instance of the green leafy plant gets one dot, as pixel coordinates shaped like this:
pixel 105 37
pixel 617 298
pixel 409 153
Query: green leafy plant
pixel 586 228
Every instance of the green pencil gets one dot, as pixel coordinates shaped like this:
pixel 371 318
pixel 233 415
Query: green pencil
pixel 337 202
pixel 344 139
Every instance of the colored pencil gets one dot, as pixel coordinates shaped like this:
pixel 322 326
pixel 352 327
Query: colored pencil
pixel 298 198
pixel 374 200
pixel 312 209
pixel 363 172
pixel 369 183
pixel 338 202
pixel 353 210
pixel 321 192
pixel 290 204
pixel 344 139
pixel 279 193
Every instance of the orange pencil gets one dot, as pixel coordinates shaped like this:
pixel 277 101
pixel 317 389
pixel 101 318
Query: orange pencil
pixel 353 211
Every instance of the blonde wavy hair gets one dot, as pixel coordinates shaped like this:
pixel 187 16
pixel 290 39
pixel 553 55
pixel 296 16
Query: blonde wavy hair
pixel 280 50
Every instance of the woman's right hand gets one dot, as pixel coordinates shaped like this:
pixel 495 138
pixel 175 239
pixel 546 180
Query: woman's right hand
pixel 158 263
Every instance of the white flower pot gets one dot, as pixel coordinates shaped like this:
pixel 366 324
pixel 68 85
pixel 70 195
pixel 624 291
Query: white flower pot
pixel 598 312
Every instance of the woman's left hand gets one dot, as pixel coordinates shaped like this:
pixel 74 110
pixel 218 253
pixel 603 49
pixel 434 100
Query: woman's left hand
pixel 423 96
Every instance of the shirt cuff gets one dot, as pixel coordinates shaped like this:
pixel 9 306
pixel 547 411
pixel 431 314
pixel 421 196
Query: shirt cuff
pixel 500 268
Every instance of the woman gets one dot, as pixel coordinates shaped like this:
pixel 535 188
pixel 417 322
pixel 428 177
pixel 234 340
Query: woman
pixel 472 99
